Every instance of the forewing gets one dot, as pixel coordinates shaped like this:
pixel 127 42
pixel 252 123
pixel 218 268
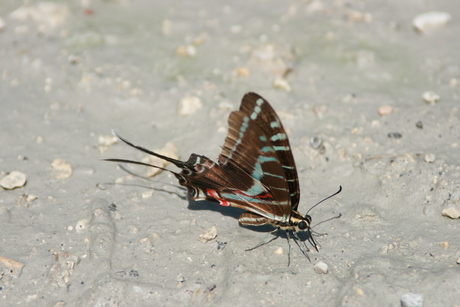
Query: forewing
pixel 260 111
pixel 247 150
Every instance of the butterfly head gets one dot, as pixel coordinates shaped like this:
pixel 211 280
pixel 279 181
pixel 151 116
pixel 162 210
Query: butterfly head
pixel 304 223
pixel 299 222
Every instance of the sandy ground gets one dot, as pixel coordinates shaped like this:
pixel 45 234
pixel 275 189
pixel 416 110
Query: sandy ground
pixel 73 70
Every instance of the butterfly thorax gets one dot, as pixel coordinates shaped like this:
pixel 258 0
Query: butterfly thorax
pixel 296 223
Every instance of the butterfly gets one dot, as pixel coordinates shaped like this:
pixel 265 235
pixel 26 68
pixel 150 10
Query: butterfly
pixel 255 172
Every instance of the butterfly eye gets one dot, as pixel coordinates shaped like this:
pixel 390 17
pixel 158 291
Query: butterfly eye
pixel 303 225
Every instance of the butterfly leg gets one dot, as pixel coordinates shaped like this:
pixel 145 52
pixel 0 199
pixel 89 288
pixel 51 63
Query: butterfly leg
pixel 288 237
pixel 263 242
pixel 312 240
pixel 304 249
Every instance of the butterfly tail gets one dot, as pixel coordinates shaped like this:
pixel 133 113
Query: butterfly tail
pixel 178 163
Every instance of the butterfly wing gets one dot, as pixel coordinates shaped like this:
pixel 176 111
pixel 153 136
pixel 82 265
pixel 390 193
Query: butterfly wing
pixel 264 115
pixel 255 146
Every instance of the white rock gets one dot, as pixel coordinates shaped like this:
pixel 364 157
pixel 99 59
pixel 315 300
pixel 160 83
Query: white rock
pixel 13 180
pixel 105 141
pixel 451 212
pixel 430 20
pixel 10 267
pixel 282 84
pixel 411 300
pixel 61 168
pixel 321 268
pixel 189 105
pixel 430 97
pixel 209 235
pixel 430 157
pixel 279 251
pixel 385 110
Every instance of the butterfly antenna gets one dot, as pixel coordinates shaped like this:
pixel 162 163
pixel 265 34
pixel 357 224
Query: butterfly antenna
pixel 340 190
pixel 138 163
pixel 327 220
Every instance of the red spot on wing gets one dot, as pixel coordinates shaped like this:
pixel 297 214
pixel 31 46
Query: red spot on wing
pixel 266 195
pixel 214 194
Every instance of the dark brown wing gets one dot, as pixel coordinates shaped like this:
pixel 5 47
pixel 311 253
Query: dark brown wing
pixel 259 110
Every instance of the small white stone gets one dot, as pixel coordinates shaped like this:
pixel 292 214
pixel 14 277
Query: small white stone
pixel 279 251
pixel 430 97
pixel 189 105
pixel 81 226
pixel 61 168
pixel 31 198
pixel 147 194
pixel 444 244
pixel 321 268
pixel 411 300
pixel 209 235
pixel 385 110
pixel 451 212
pixel 13 180
pixel 10 267
pixel 282 84
pixel 430 157
pixel 430 20
pixel 105 141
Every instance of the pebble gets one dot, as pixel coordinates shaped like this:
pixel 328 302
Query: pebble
pixel 279 251
pixel 189 105
pixel 419 124
pixel 430 97
pixel 444 244
pixel 282 84
pixel 208 235
pixel 321 268
pixel 105 141
pixel 316 142
pixel 13 180
pixel 13 267
pixel 430 157
pixel 451 212
pixel 147 194
pixel 62 169
pixel 82 226
pixel 31 197
pixel 411 300
pixel 430 20
pixel 62 270
pixel 385 110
